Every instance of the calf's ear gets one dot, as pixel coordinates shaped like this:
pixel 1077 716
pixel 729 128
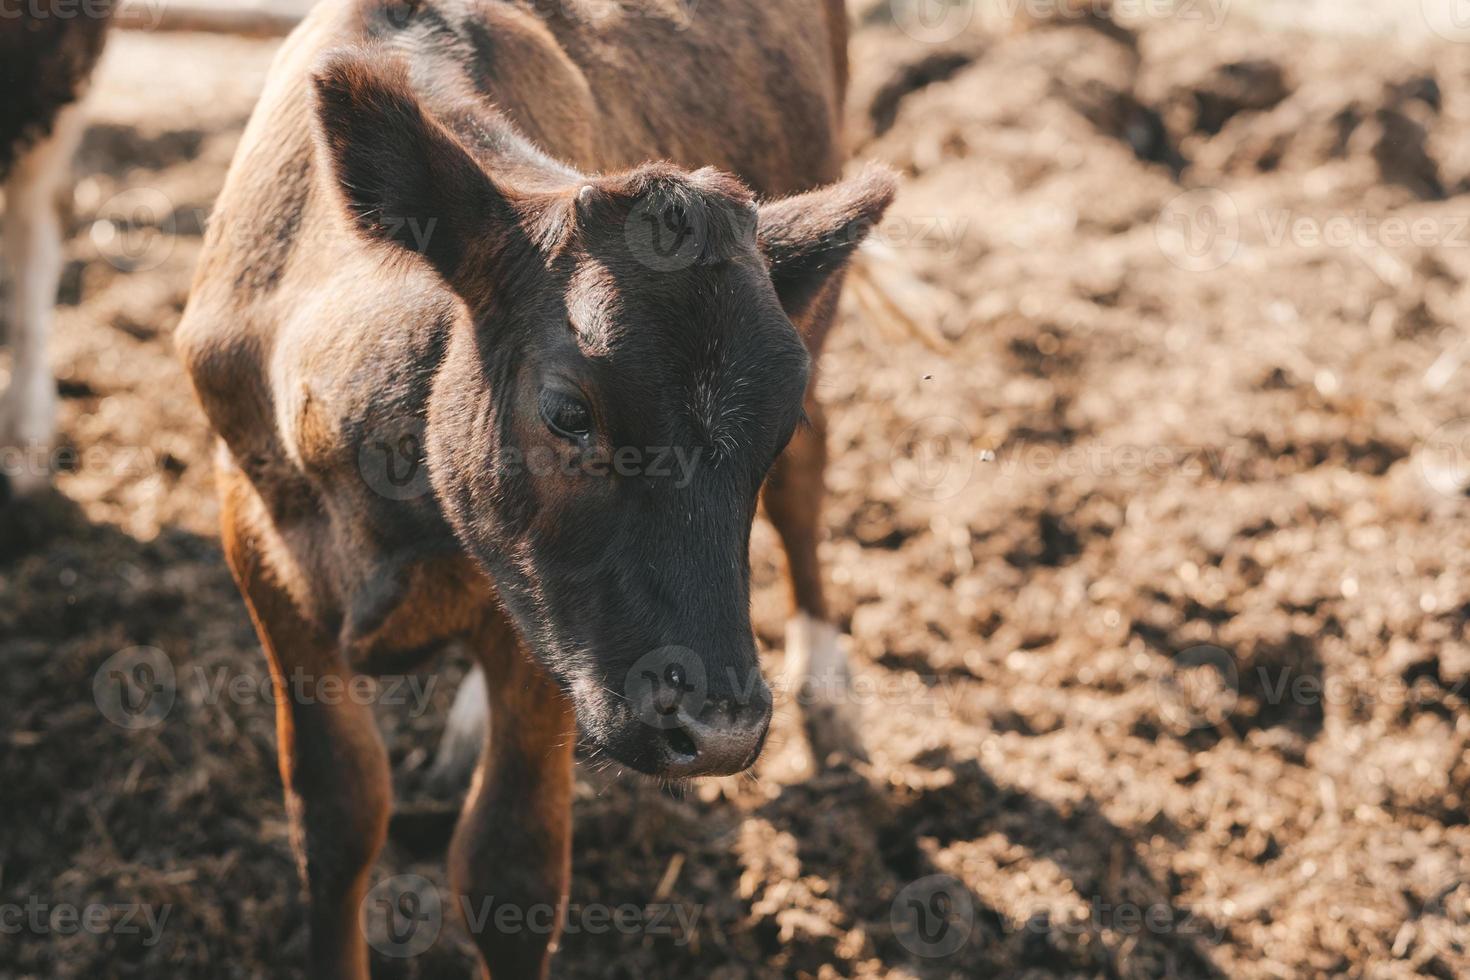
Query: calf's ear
pixel 809 238
pixel 403 177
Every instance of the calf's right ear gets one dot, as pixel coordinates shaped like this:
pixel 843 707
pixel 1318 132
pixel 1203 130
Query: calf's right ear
pixel 403 177
pixel 809 238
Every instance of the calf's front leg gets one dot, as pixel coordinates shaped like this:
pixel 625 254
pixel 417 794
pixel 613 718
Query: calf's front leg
pixel 333 763
pixel 510 859
pixel 817 671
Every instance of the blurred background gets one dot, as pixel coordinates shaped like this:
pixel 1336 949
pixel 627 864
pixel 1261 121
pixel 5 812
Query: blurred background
pixel 1150 543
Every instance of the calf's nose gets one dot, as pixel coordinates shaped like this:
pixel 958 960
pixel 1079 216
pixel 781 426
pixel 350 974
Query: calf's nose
pixel 720 737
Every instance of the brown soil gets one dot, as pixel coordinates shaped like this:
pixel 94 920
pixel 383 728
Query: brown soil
pixel 1174 684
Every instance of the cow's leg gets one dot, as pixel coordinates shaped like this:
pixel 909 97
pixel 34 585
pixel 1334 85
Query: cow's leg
pixel 512 848
pixel 333 763
pixel 816 666
pixel 33 255
pixel 464 735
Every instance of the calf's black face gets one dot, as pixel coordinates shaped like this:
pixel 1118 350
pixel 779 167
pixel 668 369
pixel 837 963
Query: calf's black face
pixel 599 434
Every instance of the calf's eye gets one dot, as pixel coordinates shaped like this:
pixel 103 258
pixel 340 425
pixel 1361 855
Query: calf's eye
pixel 566 415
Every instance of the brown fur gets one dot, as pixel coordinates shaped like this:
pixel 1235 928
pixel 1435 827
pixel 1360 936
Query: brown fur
pixel 305 335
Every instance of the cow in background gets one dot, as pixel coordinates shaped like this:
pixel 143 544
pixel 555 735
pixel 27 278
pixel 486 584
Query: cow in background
pixel 46 61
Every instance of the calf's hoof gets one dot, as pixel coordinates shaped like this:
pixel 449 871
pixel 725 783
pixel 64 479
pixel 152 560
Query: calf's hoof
pixel 820 676
pixel 834 732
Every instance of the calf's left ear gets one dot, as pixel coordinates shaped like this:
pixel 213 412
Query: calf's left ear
pixel 403 178
pixel 809 238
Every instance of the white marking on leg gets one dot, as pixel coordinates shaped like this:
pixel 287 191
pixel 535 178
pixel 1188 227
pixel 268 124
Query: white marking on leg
pixel 820 676
pixel 32 245
pixel 464 733
pixel 815 662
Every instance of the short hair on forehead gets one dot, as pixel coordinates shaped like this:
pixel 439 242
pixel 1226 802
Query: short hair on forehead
pixel 711 213
pixel 592 310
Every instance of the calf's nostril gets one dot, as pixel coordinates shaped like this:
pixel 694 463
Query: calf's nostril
pixel 681 743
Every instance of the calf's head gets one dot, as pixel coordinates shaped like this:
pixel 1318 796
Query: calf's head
pixel 630 366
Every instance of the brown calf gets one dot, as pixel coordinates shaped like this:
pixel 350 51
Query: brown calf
pixel 484 373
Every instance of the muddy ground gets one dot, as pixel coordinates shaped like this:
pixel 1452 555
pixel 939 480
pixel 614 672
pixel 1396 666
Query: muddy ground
pixel 1154 578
